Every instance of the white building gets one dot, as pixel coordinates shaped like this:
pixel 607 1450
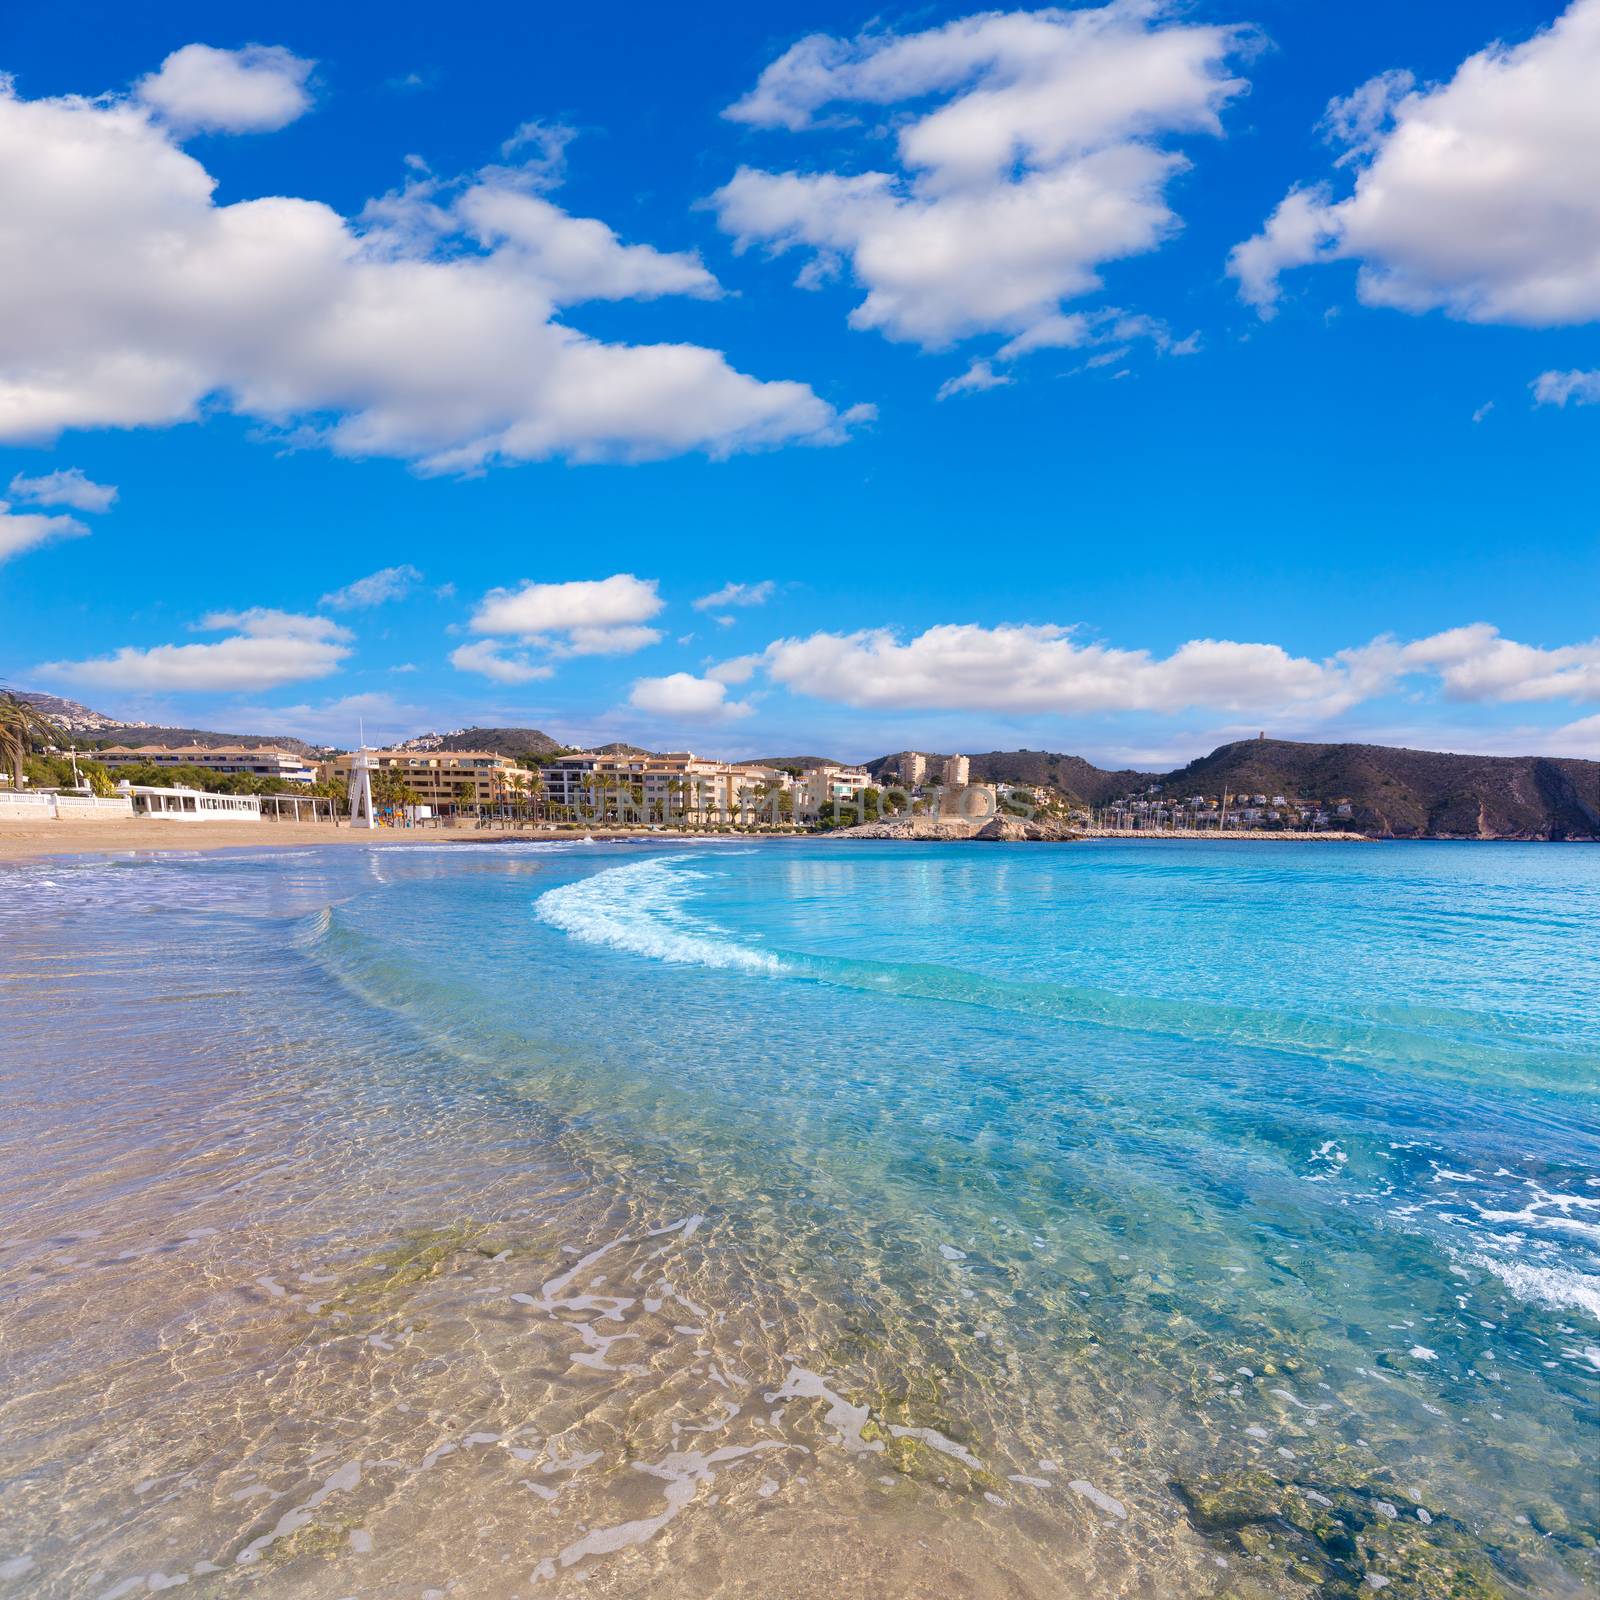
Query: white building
pixel 193 805
pixel 819 785
pixel 261 761
pixel 913 768
pixel 957 772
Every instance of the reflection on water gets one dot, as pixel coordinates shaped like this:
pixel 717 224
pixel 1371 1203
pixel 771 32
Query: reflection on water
pixel 1120 1221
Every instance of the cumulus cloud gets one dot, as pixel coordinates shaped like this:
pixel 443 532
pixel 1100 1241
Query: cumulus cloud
pixel 736 594
pixel 1551 389
pixel 430 329
pixel 1043 668
pixel 684 696
pixel 589 617
pixel 1477 663
pixel 536 608
pixel 1029 669
pixel 27 530
pixel 500 665
pixel 266 648
pixel 254 90
pixel 1034 148
pixel 1479 197
pixel 68 487
pixel 376 589
pixel 740 669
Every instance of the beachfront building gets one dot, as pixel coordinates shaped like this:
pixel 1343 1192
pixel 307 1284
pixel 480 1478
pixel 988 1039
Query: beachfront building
pixel 258 761
pixel 444 780
pixel 192 805
pixel 957 772
pixel 913 768
pixel 636 785
pixel 827 783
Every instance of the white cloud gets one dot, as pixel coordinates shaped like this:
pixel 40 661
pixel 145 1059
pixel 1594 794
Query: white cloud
pixel 1555 389
pixel 266 622
pixel 376 589
pixel 1479 197
pixel 541 149
pixel 740 669
pixel 590 617
pixel 1029 669
pixel 268 649
pixel 497 663
pixel 1580 738
pixel 604 641
pixel 254 90
pixel 1043 157
pixel 736 594
pixel 979 376
pixel 1026 669
pixel 27 530
pixel 1476 663
pixel 548 607
pixel 682 695
pixel 578 258
pixel 429 330
pixel 68 487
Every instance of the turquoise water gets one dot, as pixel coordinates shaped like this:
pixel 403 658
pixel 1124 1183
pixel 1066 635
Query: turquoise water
pixel 1112 1219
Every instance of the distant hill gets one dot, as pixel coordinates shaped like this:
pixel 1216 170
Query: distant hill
pixel 501 741
pixel 1393 793
pixel 137 733
pixel 803 763
pixel 1072 775
pixel 72 715
pixel 1407 793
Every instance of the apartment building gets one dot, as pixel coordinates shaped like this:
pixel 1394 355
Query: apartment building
pixel 655 787
pixel 441 779
pixel 261 761
pixel 819 785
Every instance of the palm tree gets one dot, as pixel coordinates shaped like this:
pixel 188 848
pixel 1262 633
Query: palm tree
pixel 20 725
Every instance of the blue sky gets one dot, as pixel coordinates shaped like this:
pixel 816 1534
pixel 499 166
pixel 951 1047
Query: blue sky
pixel 1116 380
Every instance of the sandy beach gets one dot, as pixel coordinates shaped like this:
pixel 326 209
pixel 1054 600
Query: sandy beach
pixel 21 841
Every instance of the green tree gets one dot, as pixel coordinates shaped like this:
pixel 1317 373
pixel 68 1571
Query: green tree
pixel 21 728
pixel 390 791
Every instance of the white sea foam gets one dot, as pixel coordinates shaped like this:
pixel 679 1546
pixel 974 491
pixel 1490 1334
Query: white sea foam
pixel 1552 1212
pixel 640 908
pixel 1563 1288
pixel 1098 1497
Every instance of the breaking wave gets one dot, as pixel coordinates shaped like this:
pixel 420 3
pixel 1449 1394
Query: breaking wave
pixel 640 908
pixel 643 908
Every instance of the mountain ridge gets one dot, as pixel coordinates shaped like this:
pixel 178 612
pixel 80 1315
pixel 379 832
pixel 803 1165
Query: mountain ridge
pixel 1392 792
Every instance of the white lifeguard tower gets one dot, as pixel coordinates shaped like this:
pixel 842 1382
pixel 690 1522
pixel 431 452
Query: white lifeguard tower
pixel 360 791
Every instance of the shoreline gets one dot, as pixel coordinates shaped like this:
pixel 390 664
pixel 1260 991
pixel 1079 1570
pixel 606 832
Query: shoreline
pixel 24 841
pixel 29 841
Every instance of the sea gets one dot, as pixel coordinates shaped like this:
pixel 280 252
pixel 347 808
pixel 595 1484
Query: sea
pixel 802 1218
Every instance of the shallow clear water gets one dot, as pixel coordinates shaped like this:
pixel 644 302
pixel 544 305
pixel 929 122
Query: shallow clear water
pixel 1119 1219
